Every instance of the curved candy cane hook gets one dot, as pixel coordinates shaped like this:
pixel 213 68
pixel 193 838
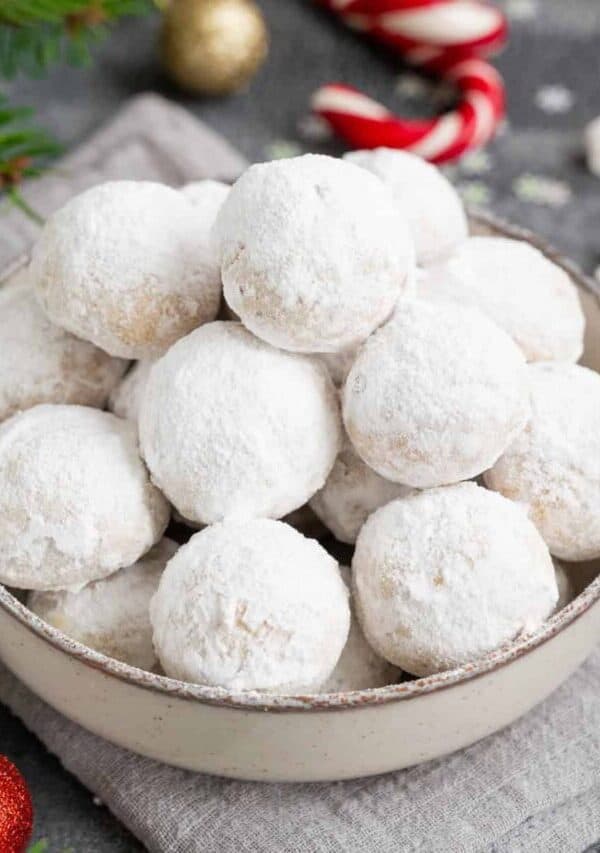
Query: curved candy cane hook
pixel 445 37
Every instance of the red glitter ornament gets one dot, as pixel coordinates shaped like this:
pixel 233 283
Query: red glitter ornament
pixel 16 810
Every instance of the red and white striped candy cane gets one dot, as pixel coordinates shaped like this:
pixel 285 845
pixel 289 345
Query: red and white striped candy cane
pixel 445 37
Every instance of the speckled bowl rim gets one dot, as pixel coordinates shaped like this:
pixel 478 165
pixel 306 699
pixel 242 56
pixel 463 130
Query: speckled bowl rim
pixel 253 701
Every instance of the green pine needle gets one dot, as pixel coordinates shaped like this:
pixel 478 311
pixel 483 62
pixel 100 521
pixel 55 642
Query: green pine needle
pixel 36 33
pixel 25 151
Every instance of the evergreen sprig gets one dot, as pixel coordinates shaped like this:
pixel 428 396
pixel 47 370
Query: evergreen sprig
pixel 33 35
pixel 25 151
pixel 36 33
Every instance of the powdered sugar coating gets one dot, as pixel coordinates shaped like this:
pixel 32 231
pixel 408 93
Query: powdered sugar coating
pixel 350 494
pixel 42 363
pixel 424 196
pixel 111 616
pixel 436 395
pixel 251 605
pixel 339 363
pixel 126 266
pixel 554 465
pixel 76 502
pixel 518 288
pixel 313 253
pixel 447 575
pixel 126 398
pixel 232 428
pixel 207 196
pixel 359 666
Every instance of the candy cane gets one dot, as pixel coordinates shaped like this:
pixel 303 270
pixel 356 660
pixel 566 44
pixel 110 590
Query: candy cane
pixel 445 37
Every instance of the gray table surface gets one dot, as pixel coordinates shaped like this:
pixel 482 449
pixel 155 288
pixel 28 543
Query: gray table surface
pixel 533 174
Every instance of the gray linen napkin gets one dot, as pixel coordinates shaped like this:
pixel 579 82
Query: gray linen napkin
pixel 533 787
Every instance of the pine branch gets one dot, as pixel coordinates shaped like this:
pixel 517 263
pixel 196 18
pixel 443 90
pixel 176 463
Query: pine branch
pixel 33 35
pixel 37 33
pixel 24 153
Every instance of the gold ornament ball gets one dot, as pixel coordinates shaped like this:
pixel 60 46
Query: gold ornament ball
pixel 213 47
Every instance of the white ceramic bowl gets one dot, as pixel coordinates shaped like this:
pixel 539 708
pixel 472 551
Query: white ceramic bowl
pixel 251 736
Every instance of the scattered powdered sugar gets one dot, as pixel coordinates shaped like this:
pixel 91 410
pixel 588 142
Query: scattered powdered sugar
pixel 41 363
pixel 447 575
pixel 424 196
pixel 251 605
pixel 436 395
pixel 76 502
pixel 112 615
pixel 359 666
pixel 125 266
pixel 126 398
pixel 314 253
pixel 521 10
pixel 232 428
pixel 518 288
pixel 554 99
pixel 351 493
pixel 554 465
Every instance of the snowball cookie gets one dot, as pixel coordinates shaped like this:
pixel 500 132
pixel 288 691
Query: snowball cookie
pixel 444 576
pixel 313 253
pixel 251 605
pixel 339 363
pixel 76 502
pixel 359 666
pixel 425 198
pixel 554 465
pixel 111 616
pixel 518 288
pixel 41 363
pixel 350 494
pixel 126 266
pixel 207 197
pixel 126 398
pixel 232 428
pixel 436 395
pixel 566 592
